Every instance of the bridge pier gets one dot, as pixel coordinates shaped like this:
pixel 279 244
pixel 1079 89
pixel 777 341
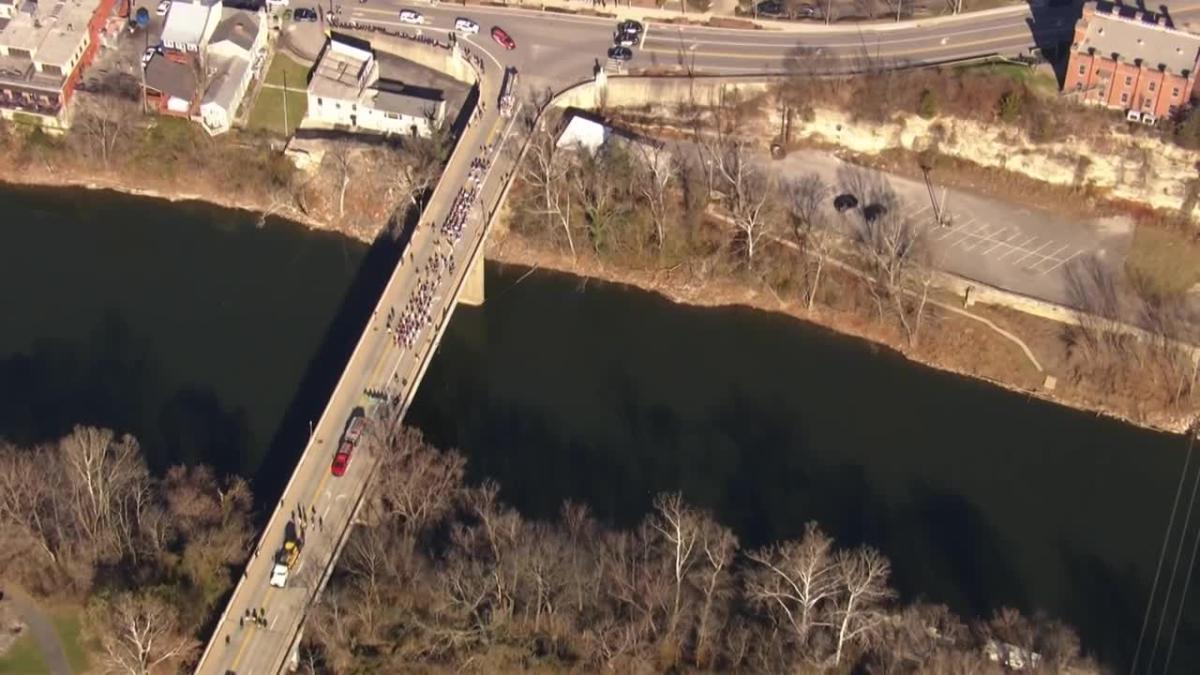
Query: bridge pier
pixel 472 290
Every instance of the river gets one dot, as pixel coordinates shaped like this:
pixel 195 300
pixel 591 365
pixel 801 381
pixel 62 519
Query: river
pixel 212 340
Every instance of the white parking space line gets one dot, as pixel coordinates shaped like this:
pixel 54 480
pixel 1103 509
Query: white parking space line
pixel 1035 251
pixel 980 237
pixel 1063 261
pixel 1018 247
pixel 997 242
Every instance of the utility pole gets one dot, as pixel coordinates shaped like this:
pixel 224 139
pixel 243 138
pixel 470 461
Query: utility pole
pixel 899 6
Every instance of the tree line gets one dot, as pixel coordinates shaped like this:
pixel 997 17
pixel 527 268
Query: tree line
pixel 151 557
pixel 445 575
pixel 710 201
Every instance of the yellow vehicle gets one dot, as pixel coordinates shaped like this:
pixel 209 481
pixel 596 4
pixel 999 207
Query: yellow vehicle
pixel 285 559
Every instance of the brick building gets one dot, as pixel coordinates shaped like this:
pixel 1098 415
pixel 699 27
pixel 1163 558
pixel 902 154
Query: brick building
pixel 1131 60
pixel 44 48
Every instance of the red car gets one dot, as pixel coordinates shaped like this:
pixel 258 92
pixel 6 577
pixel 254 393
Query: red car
pixel 503 38
pixel 341 461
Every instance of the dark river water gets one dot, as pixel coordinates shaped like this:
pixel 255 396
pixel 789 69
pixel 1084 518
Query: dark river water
pixel 213 340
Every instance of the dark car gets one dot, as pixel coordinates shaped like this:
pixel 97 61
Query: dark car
pixel 630 27
pixel 355 426
pixel 503 38
pixel 845 202
pixel 304 15
pixel 620 54
pixel 770 8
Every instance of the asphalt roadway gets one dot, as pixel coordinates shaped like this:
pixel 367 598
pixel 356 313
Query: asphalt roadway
pixel 556 50
pixel 378 363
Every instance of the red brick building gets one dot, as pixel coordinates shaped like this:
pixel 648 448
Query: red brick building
pixel 1132 60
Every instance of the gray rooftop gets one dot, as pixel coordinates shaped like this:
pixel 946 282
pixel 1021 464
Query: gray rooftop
pixel 238 26
pixel 1133 35
pixel 405 104
pixel 171 77
pixel 225 83
pixel 342 72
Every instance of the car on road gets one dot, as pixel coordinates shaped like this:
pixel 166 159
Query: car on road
pixel 355 426
pixel 466 26
pixel 409 16
pixel 341 461
pixel 163 7
pixel 621 54
pixel 304 15
pixel 149 54
pixel 624 39
pixel 844 202
pixel 631 27
pixel 502 38
pixel 286 556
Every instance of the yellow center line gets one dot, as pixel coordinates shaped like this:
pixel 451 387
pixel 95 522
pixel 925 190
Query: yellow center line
pixel 237 658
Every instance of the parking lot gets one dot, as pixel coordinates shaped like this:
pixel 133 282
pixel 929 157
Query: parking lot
pixel 1002 244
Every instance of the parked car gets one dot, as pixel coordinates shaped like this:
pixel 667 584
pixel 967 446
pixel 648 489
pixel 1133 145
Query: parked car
pixel 409 16
pixel 466 26
pixel 304 15
pixel 149 54
pixel 631 27
pixel 503 38
pixel 844 202
pixel 621 54
pixel 770 8
pixel 163 7
pixel 625 39
pixel 341 461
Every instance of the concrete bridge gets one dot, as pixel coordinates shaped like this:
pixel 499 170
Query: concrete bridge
pixel 381 377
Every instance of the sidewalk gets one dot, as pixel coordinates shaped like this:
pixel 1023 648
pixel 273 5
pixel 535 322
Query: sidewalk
pixel 41 628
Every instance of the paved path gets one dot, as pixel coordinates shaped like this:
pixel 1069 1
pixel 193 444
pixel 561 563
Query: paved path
pixel 41 627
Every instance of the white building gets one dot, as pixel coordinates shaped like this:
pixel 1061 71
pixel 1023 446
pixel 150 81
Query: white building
pixel 347 92
pixel 189 25
pixel 235 53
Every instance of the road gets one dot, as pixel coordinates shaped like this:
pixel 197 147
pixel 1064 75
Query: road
pixel 378 364
pixel 552 51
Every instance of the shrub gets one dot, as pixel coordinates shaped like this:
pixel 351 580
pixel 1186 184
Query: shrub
pixel 928 106
pixel 1010 106
pixel 1187 129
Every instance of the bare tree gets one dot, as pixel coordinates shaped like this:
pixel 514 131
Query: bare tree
pixel 811 227
pixel 862 579
pixel 139 633
pixel 714 580
pixel 748 192
pixel 545 170
pixel 680 528
pixel 107 478
pixel 797 582
pixel 654 178
pixel 105 122
pixel 343 166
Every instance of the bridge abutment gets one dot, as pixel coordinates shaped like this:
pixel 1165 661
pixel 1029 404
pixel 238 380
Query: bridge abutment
pixel 472 290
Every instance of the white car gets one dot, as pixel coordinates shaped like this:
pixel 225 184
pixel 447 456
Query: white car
pixel 150 52
pixel 409 16
pixel 279 575
pixel 466 26
pixel 163 7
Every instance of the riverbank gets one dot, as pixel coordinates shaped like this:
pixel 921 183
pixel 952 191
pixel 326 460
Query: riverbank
pixel 951 343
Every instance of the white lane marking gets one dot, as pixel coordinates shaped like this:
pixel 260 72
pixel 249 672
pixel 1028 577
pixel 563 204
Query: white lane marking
pixel 996 242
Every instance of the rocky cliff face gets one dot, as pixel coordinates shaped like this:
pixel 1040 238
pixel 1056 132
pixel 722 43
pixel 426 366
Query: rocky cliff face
pixel 1123 166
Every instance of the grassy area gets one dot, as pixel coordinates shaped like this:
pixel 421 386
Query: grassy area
pixel 23 658
pixel 1163 260
pixel 1039 80
pixel 284 67
pixel 69 624
pixel 267 112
